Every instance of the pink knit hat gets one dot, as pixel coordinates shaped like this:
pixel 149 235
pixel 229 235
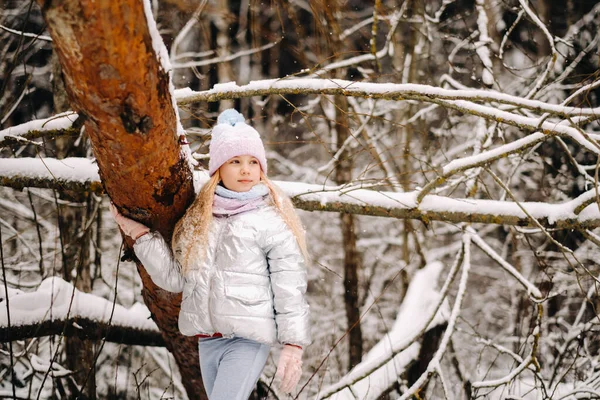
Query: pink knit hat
pixel 232 137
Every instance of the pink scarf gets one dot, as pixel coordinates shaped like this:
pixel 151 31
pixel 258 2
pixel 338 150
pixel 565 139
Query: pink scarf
pixel 241 203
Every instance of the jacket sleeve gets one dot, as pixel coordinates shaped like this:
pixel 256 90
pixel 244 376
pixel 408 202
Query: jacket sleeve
pixel 288 281
pixel 156 256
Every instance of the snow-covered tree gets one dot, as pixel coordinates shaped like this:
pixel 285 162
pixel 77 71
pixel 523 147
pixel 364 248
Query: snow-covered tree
pixel 458 142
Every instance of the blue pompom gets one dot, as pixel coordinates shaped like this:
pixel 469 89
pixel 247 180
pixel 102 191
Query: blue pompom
pixel 231 117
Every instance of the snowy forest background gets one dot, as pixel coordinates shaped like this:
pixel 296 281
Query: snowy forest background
pixel 451 151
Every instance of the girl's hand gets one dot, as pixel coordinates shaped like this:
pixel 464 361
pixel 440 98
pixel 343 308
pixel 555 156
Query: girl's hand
pixel 289 368
pixel 131 228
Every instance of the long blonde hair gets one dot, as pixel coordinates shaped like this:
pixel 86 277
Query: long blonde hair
pixel 190 237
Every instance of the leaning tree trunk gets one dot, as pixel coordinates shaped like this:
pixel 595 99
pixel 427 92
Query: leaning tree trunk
pixel 116 82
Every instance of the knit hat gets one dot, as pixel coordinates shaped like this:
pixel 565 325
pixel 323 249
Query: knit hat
pixel 232 137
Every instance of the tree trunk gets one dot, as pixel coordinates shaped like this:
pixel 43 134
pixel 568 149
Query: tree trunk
pixel 343 174
pixel 543 12
pixel 115 80
pixel 406 61
pixel 223 41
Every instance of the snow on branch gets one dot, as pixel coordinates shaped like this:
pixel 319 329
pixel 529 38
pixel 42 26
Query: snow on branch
pixel 79 174
pixel 506 379
pixel 26 34
pixel 440 208
pixel 462 164
pixel 58 125
pixel 531 288
pixel 412 317
pixel 579 213
pixel 388 91
pixel 85 329
pixel 482 47
pixel 56 307
pixel 224 58
pixel 455 313
pixel 463 100
pixel 403 343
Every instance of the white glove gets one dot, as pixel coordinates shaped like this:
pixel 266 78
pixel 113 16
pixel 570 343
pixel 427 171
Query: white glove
pixel 289 368
pixel 131 228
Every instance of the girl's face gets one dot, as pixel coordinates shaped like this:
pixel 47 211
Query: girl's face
pixel 240 173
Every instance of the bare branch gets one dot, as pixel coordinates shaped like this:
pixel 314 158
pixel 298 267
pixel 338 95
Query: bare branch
pixel 387 91
pixel 79 174
pixel 462 100
pixel 462 288
pixel 85 329
pixel 367 368
pixel 64 124
pixel 506 379
pixel 481 159
pixel 531 288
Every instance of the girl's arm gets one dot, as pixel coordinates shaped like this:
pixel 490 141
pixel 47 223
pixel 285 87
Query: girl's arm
pixel 156 256
pixel 153 252
pixel 288 281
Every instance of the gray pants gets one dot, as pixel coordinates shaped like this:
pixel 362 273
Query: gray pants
pixel 231 367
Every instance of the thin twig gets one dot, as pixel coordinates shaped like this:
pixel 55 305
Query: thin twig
pixel 10 348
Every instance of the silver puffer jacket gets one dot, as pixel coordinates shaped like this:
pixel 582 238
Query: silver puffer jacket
pixel 250 284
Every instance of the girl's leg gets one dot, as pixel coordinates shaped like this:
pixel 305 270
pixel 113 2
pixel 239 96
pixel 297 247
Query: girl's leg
pixel 240 366
pixel 210 351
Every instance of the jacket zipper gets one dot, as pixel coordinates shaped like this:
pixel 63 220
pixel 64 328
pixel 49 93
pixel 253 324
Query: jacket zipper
pixel 210 278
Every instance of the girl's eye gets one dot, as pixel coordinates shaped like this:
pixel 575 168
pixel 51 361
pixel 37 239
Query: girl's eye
pixel 235 161
pixel 253 162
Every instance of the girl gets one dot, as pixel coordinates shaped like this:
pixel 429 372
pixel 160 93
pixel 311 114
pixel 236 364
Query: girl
pixel 238 257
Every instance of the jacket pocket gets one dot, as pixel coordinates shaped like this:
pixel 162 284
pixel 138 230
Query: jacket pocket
pixel 187 303
pixel 247 294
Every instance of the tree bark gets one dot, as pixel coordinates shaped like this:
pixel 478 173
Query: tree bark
pixel 406 60
pixel 85 330
pixel 223 45
pixel 343 175
pixel 116 82
pixel 352 261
